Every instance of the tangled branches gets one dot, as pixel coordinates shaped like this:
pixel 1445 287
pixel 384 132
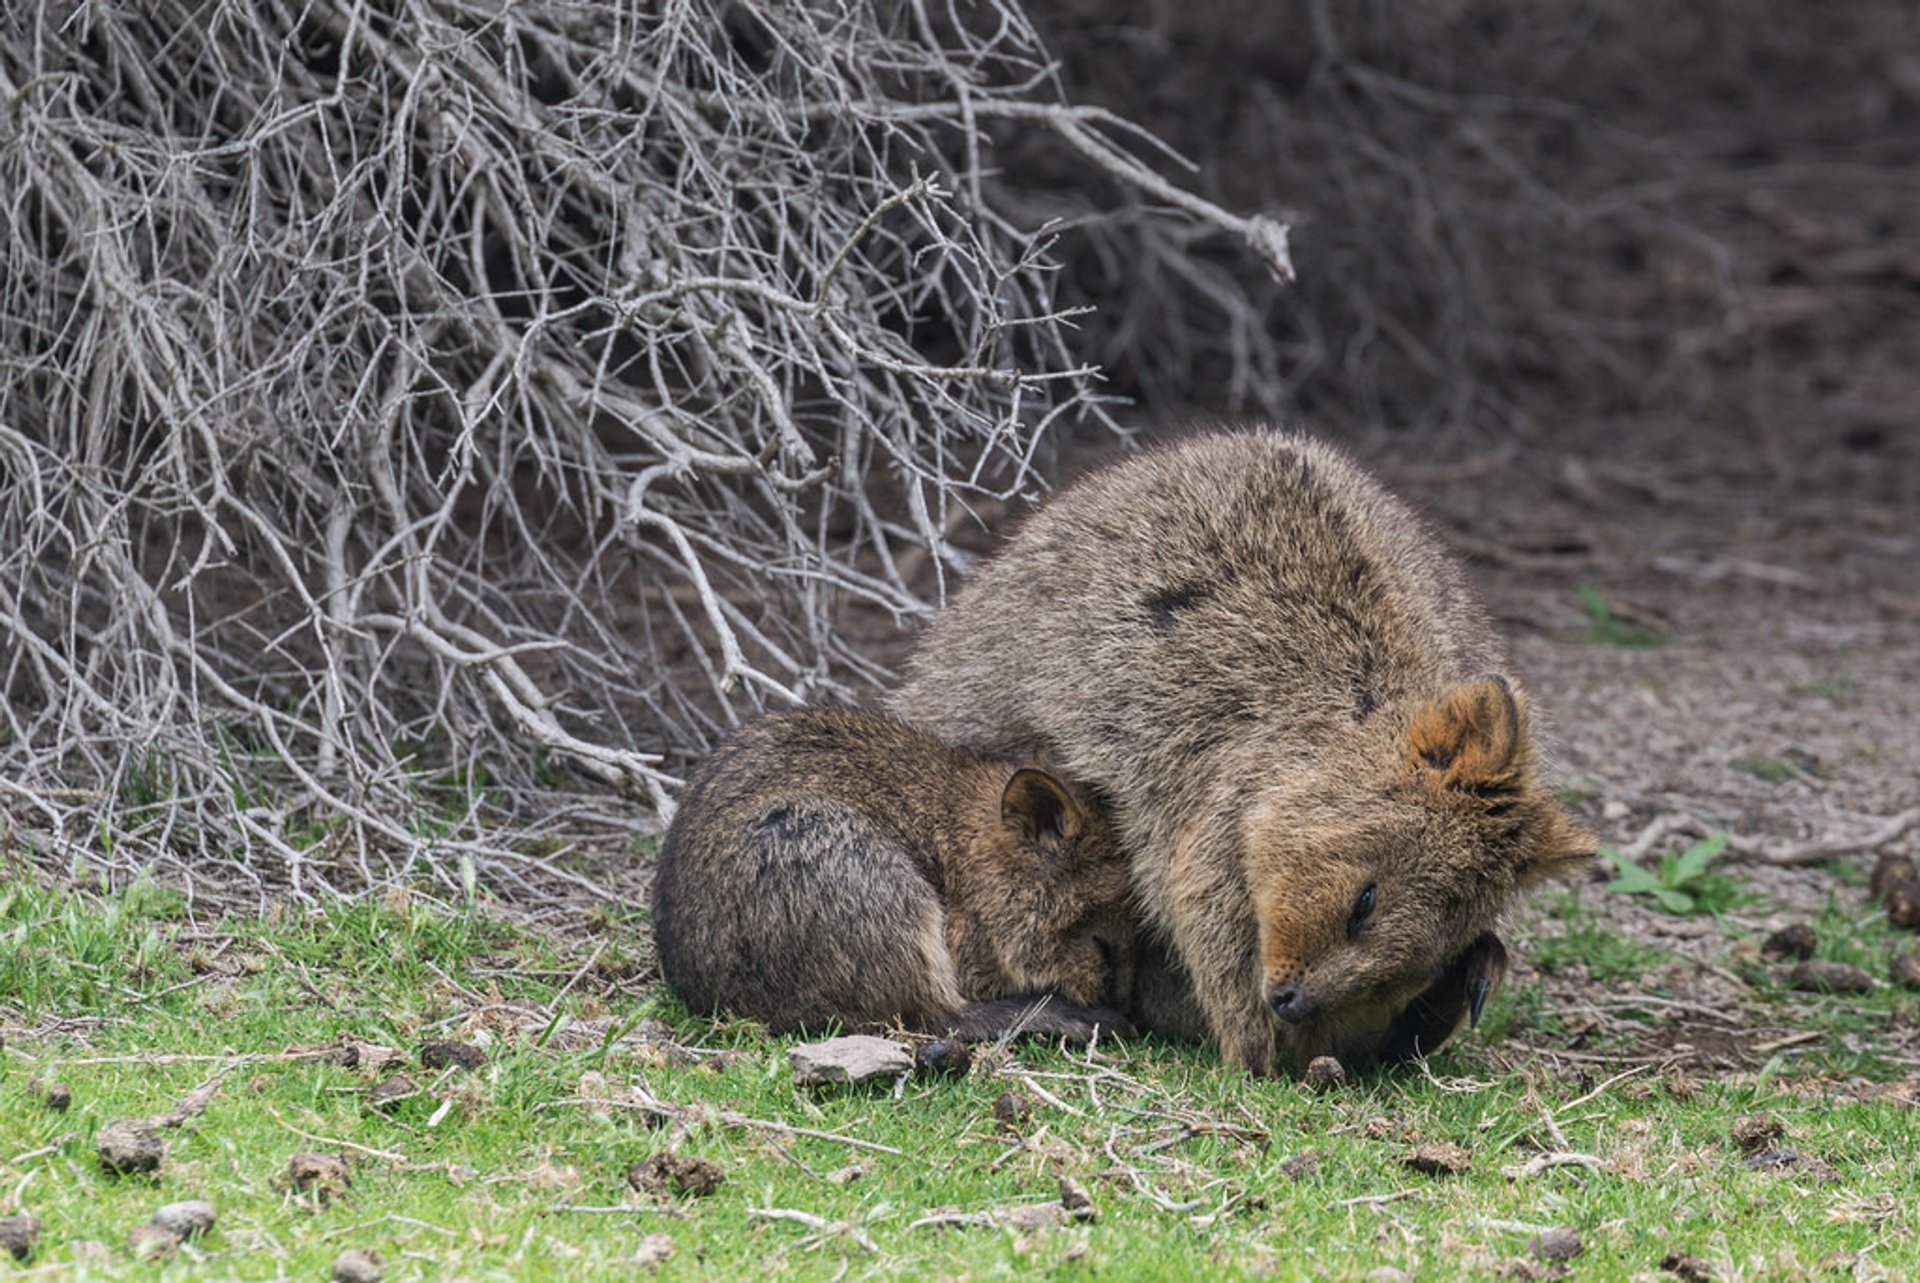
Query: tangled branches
pixel 410 406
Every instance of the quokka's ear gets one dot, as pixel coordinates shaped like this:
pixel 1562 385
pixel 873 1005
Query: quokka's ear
pixel 1038 807
pixel 1469 738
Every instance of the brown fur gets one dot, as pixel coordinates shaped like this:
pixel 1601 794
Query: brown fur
pixel 831 866
pixel 1284 688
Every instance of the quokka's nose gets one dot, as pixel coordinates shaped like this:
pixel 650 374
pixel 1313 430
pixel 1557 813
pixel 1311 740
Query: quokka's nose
pixel 1291 1003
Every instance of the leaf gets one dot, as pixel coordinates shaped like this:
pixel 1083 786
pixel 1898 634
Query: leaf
pixel 1675 901
pixel 1694 860
pixel 1634 880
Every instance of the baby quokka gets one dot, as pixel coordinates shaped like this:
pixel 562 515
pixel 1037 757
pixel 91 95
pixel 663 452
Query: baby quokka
pixel 837 867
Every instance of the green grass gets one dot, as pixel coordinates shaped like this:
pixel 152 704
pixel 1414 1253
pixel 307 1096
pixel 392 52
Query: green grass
pixel 482 1175
pixel 1605 628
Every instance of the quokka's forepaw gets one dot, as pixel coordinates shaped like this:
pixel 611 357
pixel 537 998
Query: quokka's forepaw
pixel 1045 1015
pixel 1460 993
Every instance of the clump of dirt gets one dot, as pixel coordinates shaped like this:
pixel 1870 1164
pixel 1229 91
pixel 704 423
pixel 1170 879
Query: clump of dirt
pixel 1688 1269
pixel 391 1091
pixel 456 1055
pixel 55 1096
pixel 18 1234
pixel 1796 942
pixel 1815 976
pixel 1439 1158
pixel 128 1146
pixel 1012 1112
pixel 1325 1074
pixel 1757 1132
pixel 666 1173
pixel 326 1176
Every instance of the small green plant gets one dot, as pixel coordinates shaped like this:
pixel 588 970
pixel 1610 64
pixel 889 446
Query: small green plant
pixel 1683 883
pixel 1604 628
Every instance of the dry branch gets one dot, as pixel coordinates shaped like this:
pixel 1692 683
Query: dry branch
pixel 413 413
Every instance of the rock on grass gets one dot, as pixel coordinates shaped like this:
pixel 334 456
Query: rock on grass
pixel 187 1219
pixel 1904 970
pixel 1561 1244
pixel 130 1145
pixel 855 1059
pixel 355 1266
pixel 18 1234
pixel 152 1243
pixel 666 1173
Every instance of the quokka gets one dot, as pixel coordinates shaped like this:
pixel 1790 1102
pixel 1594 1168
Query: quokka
pixel 1297 713
pixel 837 867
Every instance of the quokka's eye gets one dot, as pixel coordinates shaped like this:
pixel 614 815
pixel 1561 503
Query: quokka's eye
pixel 1361 908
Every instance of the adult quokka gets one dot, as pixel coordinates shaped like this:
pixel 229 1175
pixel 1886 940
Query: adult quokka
pixel 1296 710
pixel 837 867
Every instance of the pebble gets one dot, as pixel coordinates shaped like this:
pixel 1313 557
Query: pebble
pixel 186 1219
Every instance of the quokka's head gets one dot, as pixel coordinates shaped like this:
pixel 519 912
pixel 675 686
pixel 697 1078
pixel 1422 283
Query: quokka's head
pixel 1059 915
pixel 1379 879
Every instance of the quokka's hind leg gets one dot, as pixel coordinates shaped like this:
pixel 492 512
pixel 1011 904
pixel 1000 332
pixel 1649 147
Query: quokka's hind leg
pixel 1045 1015
pixel 817 919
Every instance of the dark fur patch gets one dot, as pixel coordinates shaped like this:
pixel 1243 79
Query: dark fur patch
pixel 1164 607
pixel 783 825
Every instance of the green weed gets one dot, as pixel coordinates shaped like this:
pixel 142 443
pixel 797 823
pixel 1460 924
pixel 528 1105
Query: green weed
pixel 1604 628
pixel 1683 883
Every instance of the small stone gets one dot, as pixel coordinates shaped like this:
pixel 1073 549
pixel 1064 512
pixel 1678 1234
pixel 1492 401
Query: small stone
pixel 1814 976
pixel 1904 970
pixel 1796 942
pixel 188 1219
pixel 666 1173
pixel 1324 1074
pixel 858 1058
pixel 455 1055
pixel 943 1058
pixel 1301 1166
pixel 846 1175
pixel 391 1091
pixel 1688 1269
pixel 1386 1274
pixel 1439 1158
pixel 1757 1132
pixel 18 1234
pixel 325 1175
pixel 54 1096
pixel 654 1251
pixel 1011 1111
pixel 356 1266
pixel 130 1145
pixel 1075 1201
pixel 1888 870
pixel 152 1243
pixel 1561 1244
